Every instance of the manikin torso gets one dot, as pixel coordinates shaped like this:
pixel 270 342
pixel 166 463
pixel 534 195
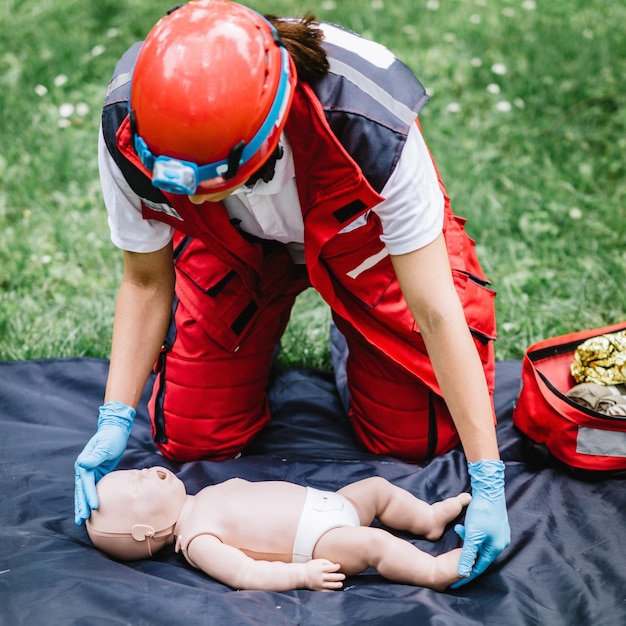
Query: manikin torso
pixel 242 513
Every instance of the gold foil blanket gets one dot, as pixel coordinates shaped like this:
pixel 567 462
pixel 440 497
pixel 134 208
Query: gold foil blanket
pixel 601 360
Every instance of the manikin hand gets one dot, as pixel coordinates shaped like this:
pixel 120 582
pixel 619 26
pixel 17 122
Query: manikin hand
pixel 486 532
pixel 101 454
pixel 323 575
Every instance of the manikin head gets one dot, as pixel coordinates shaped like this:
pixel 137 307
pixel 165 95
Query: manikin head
pixel 137 512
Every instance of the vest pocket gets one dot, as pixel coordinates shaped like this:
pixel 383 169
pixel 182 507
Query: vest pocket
pixel 359 261
pixel 478 303
pixel 226 300
pixel 215 295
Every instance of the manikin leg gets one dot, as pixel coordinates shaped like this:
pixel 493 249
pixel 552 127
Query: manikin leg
pixel 356 549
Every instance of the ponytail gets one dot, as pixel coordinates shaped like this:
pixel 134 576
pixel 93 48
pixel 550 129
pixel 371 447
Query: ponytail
pixel 303 39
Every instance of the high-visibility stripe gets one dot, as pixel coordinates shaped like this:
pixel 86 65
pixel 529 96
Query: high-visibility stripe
pixel 368 263
pixel 119 81
pixel 162 207
pixel 401 111
pixel 601 442
pixel 365 49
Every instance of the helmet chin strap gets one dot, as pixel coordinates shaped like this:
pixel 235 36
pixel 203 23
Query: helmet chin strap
pixel 234 158
pixel 266 171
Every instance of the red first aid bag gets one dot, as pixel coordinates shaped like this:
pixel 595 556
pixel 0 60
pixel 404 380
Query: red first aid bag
pixel 557 426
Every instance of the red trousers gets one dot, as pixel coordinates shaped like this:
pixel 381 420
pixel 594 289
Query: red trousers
pixel 209 398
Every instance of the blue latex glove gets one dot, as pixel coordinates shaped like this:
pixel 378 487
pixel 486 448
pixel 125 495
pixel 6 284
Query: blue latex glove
pixel 101 454
pixel 486 532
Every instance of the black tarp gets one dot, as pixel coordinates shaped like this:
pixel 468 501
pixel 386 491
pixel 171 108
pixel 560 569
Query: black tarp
pixel 566 564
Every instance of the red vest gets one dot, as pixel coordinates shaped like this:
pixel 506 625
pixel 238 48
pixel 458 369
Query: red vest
pixel 332 192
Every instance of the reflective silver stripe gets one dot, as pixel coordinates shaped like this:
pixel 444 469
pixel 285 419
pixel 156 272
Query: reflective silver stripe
pixel 400 110
pixel 119 81
pixel 357 223
pixel 601 442
pixel 369 262
pixel 162 207
pixel 370 51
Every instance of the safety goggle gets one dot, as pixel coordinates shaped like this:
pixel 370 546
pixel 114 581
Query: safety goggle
pixel 183 177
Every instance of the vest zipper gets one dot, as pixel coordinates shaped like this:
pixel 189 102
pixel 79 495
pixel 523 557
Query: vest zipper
pixel 160 435
pixel 159 417
pixel 432 426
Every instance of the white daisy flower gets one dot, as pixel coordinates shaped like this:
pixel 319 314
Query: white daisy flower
pixel 66 109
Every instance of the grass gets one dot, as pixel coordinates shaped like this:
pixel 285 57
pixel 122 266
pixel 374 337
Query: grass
pixel 527 124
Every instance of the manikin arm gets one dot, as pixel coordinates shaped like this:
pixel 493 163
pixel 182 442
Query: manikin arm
pixel 237 570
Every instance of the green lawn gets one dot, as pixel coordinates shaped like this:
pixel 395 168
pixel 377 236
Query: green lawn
pixel 527 124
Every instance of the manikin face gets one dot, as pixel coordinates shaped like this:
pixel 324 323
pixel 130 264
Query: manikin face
pixel 136 505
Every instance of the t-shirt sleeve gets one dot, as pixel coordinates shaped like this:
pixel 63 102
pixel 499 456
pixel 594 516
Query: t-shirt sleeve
pixel 129 230
pixel 412 212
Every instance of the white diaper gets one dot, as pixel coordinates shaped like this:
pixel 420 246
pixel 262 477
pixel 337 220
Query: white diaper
pixel 322 511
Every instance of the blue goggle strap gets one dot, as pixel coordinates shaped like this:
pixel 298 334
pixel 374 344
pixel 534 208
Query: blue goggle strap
pixel 183 177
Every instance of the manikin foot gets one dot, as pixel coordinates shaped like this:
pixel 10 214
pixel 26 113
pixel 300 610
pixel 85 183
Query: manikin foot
pixel 445 570
pixel 444 512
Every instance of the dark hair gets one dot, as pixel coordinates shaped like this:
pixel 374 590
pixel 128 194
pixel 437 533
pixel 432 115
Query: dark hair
pixel 303 39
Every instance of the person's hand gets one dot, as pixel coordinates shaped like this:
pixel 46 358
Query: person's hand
pixel 101 454
pixel 486 532
pixel 323 575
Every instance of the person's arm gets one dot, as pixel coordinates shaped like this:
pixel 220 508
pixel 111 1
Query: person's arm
pixel 237 570
pixel 142 315
pixel 427 284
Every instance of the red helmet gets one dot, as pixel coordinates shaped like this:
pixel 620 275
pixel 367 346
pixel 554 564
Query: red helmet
pixel 209 96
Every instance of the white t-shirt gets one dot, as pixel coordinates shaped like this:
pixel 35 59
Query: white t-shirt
pixel 411 213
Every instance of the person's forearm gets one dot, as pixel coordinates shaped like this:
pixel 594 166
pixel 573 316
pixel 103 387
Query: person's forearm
pixel 428 288
pixel 142 315
pixel 461 377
